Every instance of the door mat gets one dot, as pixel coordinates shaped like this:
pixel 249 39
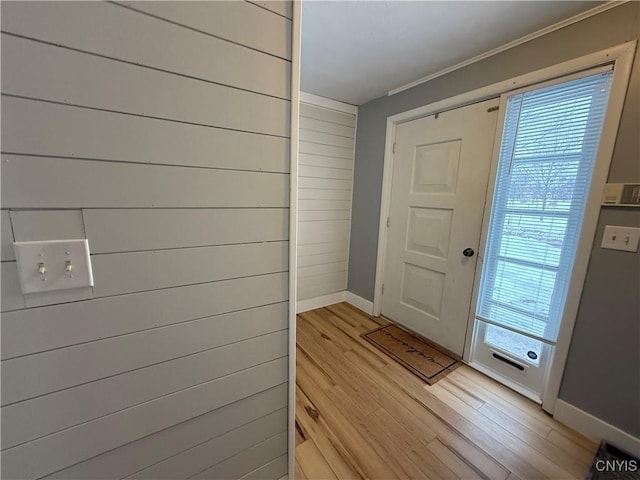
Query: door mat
pixel 413 353
pixel 612 463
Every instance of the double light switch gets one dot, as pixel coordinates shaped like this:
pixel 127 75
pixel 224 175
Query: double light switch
pixel 53 265
pixel 621 238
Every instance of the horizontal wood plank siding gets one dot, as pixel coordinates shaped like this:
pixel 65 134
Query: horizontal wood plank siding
pixel 190 53
pixel 320 248
pixel 324 205
pixel 279 7
pixel 308 215
pixel 312 136
pixel 41 128
pixel 83 403
pixel 124 461
pixel 141 271
pixel 36 225
pixel 325 150
pixel 318 285
pixel 71 446
pixel 67 183
pixel 306 171
pixel 160 132
pixel 247 460
pixel 147 228
pixel 327 139
pixel 94 361
pixel 317 113
pixel 274 469
pixel 46 328
pixel 325 161
pixel 12 298
pixel 238 22
pixel 203 456
pixel 51 75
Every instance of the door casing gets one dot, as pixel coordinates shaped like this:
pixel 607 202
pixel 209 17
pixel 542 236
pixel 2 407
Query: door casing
pixel 621 56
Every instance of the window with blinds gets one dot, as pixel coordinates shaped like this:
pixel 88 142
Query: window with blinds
pixel 547 155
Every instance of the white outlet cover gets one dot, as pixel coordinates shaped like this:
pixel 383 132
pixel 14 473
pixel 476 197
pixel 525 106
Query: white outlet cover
pixel 621 238
pixel 54 254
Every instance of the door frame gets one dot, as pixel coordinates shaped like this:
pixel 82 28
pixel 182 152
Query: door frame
pixel 621 56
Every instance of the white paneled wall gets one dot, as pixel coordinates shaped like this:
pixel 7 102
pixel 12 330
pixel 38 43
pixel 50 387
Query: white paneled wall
pixel 160 132
pixel 325 184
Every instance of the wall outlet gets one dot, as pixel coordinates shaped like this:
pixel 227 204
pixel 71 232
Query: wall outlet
pixel 621 238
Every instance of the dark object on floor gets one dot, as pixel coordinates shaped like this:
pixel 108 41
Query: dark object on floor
pixel 421 358
pixel 611 463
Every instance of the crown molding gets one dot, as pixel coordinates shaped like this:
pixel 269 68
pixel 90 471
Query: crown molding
pixel 527 38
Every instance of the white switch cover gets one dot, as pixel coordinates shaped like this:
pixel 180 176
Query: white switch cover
pixel 621 238
pixel 53 265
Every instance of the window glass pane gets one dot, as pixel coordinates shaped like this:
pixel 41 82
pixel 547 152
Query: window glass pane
pixel 555 126
pixel 533 238
pixel 527 289
pixel 548 150
pixel 543 185
pixel 520 321
pixel 517 345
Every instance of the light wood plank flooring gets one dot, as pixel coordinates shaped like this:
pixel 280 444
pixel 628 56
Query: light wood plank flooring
pixel 361 415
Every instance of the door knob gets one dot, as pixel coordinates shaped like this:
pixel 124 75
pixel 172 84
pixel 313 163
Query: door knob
pixel 468 252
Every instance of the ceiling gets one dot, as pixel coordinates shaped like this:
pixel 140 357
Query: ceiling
pixel 355 51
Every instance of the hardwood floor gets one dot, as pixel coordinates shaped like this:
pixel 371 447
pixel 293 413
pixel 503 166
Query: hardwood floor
pixel 361 415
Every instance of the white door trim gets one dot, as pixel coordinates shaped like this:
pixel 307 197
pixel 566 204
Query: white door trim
pixel 622 57
pixel 621 73
pixel 293 230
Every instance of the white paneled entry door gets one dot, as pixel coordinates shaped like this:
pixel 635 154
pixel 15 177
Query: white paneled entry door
pixel 440 173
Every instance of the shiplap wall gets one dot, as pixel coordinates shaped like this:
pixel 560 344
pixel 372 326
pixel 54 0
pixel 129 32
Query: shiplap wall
pixel 325 184
pixel 160 132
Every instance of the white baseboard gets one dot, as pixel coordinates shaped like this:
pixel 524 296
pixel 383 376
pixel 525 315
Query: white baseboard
pixel 318 302
pixel 359 302
pixel 595 428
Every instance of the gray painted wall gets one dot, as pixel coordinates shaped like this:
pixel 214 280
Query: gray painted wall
pixel 596 337
pixel 160 132
pixel 602 375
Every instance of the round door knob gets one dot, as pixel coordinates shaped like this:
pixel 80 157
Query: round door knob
pixel 468 252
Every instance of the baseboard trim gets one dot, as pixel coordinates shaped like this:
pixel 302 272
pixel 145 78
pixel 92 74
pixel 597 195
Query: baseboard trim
pixel 359 302
pixel 595 428
pixel 319 302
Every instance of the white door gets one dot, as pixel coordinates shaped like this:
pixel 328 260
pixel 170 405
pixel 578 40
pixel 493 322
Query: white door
pixel 440 174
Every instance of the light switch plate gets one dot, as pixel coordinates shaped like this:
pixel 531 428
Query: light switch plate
pixel 621 238
pixel 50 265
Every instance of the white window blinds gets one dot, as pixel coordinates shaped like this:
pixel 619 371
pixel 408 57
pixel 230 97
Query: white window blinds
pixel 548 151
